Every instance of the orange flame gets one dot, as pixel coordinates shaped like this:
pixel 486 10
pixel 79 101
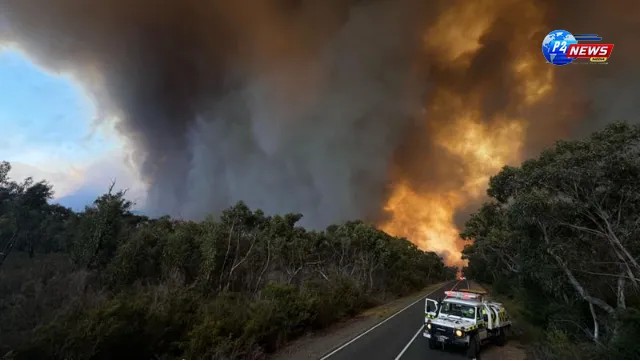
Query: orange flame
pixel 483 145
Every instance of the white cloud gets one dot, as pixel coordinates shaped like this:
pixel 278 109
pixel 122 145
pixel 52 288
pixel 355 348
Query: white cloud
pixel 91 179
pixel 58 134
pixel 63 181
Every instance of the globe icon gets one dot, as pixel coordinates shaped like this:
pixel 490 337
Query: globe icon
pixel 555 47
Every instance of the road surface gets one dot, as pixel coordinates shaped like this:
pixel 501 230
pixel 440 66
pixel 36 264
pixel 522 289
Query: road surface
pixel 399 337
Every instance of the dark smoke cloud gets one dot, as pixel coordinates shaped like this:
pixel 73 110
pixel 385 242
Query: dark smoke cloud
pixel 601 94
pixel 304 105
pixel 582 100
pixel 287 105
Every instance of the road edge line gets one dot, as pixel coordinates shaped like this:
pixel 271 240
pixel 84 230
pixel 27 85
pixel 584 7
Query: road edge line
pixel 378 324
pixel 420 329
pixel 454 286
pixel 409 344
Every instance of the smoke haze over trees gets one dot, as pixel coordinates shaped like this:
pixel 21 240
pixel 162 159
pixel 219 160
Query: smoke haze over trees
pixel 330 108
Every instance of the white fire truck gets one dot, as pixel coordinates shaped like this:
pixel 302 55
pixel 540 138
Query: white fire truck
pixel 467 318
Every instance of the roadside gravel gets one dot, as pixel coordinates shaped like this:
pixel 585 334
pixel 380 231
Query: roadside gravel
pixel 513 350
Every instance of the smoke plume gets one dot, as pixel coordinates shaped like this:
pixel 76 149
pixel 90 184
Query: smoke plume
pixel 392 111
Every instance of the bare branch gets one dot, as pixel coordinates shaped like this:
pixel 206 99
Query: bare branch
pixel 596 326
pixel 620 210
pixel 226 255
pixel 8 247
pixel 620 294
pixel 606 274
pixel 584 229
pixel 613 237
pixel 266 265
pixel 240 262
pixel 574 281
pixel 323 275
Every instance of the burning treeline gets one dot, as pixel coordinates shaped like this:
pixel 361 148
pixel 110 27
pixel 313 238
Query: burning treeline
pixel 394 111
pixel 474 113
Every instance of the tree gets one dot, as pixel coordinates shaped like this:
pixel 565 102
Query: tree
pixel 23 211
pixel 569 220
pixel 234 286
pixel 101 228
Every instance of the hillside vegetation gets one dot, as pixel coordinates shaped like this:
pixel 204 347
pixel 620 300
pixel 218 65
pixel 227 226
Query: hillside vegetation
pixel 560 236
pixel 106 283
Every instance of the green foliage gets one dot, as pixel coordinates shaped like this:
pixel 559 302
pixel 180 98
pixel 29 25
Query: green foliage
pixel 105 283
pixel 136 324
pixel 25 215
pixel 100 230
pixel 625 344
pixel 560 235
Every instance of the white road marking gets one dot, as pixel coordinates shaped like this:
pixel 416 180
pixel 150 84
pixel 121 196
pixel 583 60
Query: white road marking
pixel 454 286
pixel 420 330
pixel 409 344
pixel 378 324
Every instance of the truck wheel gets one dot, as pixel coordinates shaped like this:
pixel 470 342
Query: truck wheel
pixel 433 344
pixel 473 349
pixel 501 340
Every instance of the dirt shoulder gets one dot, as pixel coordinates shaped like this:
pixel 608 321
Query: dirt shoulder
pixel 514 349
pixel 313 346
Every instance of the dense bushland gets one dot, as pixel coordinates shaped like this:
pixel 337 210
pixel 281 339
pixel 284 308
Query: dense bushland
pixel 107 283
pixel 561 238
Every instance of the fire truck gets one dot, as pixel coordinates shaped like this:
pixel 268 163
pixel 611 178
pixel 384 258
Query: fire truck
pixel 467 318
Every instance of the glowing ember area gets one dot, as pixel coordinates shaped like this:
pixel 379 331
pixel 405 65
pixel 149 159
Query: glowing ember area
pixel 480 144
pixel 427 219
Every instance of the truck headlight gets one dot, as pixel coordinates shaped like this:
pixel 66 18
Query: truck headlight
pixel 458 333
pixel 428 326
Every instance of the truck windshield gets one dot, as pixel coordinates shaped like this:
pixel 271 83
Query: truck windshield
pixel 457 309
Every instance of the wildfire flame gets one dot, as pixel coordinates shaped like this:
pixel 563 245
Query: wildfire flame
pixel 482 145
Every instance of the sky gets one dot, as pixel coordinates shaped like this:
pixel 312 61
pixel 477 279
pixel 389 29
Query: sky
pixel 48 130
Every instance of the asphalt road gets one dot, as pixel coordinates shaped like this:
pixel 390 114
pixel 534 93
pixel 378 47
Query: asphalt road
pixel 399 337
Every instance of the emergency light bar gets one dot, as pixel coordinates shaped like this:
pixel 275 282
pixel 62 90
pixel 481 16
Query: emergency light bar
pixel 462 295
pixel 480 292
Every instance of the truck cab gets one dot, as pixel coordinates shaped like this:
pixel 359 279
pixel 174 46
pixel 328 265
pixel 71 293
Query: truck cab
pixel 465 318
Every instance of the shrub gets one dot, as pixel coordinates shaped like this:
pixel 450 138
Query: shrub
pixel 241 286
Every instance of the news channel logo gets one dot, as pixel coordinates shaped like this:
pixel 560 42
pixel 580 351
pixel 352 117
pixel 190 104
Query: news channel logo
pixel 555 45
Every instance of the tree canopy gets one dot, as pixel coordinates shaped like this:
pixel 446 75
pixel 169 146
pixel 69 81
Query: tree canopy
pixel 107 283
pixel 563 229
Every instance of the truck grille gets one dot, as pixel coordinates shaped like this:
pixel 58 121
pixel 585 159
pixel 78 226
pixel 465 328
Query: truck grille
pixel 442 331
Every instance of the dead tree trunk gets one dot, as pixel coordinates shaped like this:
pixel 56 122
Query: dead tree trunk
pixel 7 248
